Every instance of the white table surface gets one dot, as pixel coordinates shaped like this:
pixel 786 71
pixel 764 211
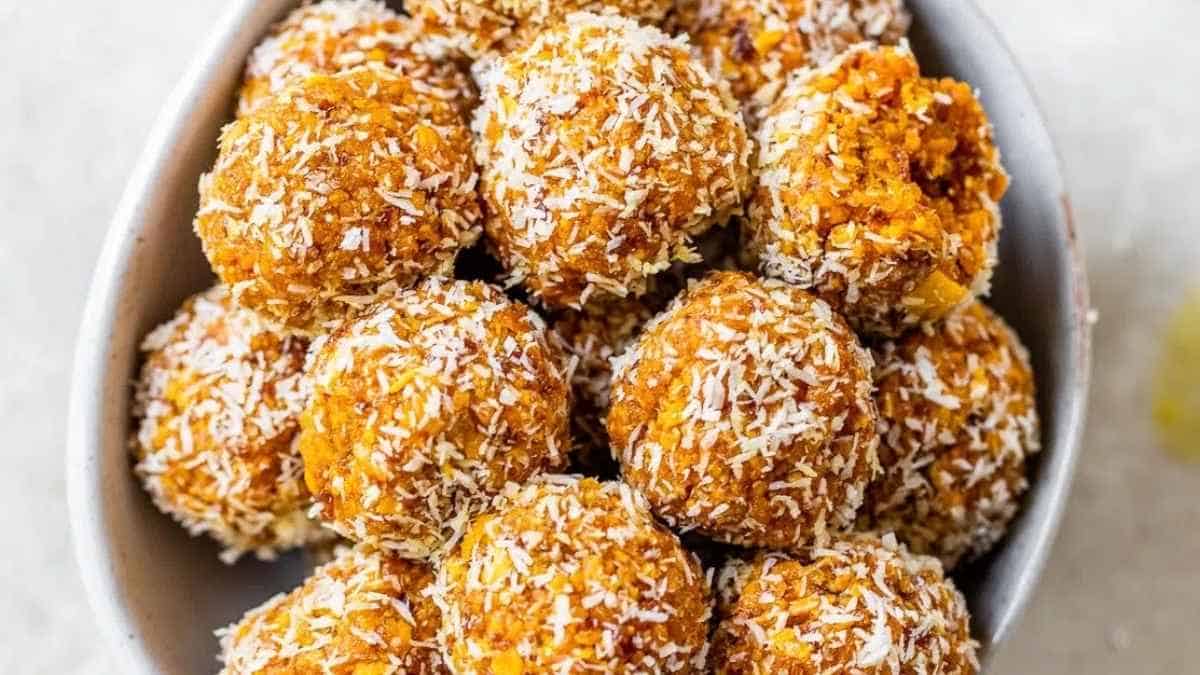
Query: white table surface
pixel 81 82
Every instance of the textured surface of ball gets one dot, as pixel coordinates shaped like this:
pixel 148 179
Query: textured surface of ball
pixel 364 613
pixel 861 605
pixel 486 28
pixel 427 405
pixel 756 44
pixel 339 190
pixel 570 575
pixel 744 411
pixel 335 35
pixel 217 408
pixel 878 189
pixel 958 411
pixel 604 150
pixel 590 339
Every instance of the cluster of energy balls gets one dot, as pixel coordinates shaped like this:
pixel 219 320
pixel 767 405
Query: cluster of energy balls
pixel 515 294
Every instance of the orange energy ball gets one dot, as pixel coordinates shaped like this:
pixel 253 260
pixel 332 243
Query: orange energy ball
pixel 590 338
pixel 427 405
pixel 878 190
pixel 217 408
pixel 862 605
pixel 336 35
pixel 365 613
pixel 959 418
pixel 480 29
pixel 570 575
pixel 744 412
pixel 338 191
pixel 605 149
pixel 756 44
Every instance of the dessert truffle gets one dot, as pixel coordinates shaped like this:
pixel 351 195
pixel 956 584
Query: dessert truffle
pixel 570 575
pixel 590 338
pixel 959 418
pixel 861 605
pixel 335 193
pixel 335 35
pixel 424 407
pixel 604 150
pixel 483 29
pixel 217 407
pixel 744 412
pixel 877 189
pixel 756 44
pixel 365 613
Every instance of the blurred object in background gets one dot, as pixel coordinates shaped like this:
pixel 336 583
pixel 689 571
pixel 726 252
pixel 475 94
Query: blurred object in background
pixel 1177 382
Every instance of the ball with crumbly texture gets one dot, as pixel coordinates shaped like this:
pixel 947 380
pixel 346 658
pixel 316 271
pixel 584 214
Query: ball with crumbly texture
pixel 335 35
pixel 427 405
pixel 862 605
pixel 756 44
pixel 744 411
pixel 604 149
pixel 590 338
pixel 342 188
pixel 217 407
pixel 958 411
pixel 481 29
pixel 570 575
pixel 365 613
pixel 878 189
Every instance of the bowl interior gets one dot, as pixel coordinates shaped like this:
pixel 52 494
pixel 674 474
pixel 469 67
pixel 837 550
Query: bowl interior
pixel 159 593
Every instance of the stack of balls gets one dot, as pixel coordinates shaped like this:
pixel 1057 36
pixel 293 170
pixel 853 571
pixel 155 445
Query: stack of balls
pixel 736 293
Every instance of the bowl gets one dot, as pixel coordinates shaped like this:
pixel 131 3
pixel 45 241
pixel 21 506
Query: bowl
pixel 158 593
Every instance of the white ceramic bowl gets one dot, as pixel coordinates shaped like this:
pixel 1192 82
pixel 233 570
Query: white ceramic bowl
pixel 158 593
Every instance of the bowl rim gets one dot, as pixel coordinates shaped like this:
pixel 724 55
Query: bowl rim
pixel 1077 386
pixel 93 552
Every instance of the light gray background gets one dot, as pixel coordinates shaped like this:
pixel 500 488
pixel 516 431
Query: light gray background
pixel 81 82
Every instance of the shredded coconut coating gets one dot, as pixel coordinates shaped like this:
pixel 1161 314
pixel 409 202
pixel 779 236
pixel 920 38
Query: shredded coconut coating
pixel 570 575
pixel 336 35
pixel 756 44
pixel 217 407
pixel 604 149
pixel 744 412
pixel 863 605
pixel 958 417
pixel 338 191
pixel 590 338
pixel 426 406
pixel 479 29
pixel 729 578
pixel 878 189
pixel 365 613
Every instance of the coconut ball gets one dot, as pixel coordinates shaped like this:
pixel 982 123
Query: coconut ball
pixel 861 605
pixel 878 190
pixel 572 575
pixel 590 338
pixel 744 412
pixel 365 613
pixel 958 412
pixel 481 29
pixel 756 44
pixel 335 35
pixel 424 407
pixel 216 410
pixel 335 193
pixel 604 149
